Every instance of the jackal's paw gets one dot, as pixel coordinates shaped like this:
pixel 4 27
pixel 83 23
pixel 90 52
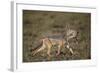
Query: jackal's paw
pixel 49 55
pixel 57 54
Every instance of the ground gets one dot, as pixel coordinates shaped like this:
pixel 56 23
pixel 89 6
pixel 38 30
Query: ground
pixel 39 24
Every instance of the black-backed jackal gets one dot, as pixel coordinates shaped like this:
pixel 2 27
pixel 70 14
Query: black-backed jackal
pixel 48 42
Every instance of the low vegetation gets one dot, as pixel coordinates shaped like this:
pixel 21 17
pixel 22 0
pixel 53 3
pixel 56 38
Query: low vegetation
pixel 39 24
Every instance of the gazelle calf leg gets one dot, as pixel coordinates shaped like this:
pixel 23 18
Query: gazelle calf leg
pixel 76 40
pixel 70 49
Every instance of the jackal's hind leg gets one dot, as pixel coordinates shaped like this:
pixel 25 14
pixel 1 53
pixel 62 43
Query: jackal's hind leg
pixel 49 51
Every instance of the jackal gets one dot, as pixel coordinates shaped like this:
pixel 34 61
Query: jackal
pixel 50 41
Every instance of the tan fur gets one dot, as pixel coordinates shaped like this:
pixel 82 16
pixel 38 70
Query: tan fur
pixel 49 42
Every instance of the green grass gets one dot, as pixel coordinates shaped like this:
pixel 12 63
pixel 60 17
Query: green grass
pixel 38 24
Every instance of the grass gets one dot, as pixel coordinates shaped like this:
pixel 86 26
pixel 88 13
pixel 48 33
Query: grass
pixel 38 24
